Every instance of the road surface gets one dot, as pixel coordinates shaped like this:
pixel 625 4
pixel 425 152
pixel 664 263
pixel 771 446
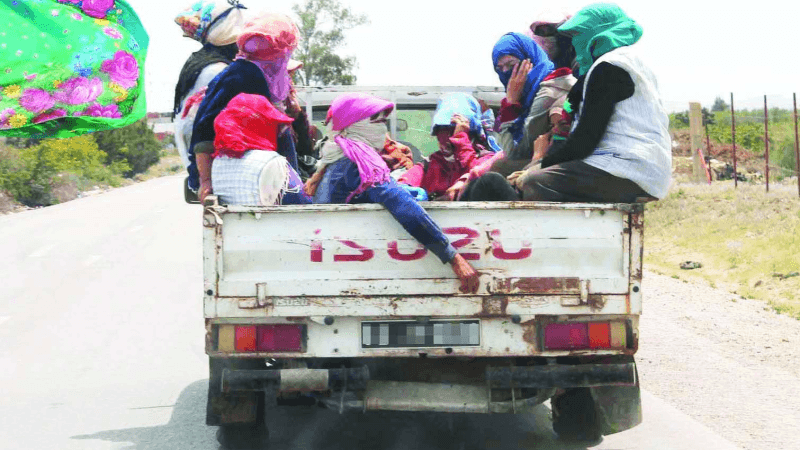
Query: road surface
pixel 101 346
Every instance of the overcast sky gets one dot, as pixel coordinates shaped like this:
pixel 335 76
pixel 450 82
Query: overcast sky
pixel 698 49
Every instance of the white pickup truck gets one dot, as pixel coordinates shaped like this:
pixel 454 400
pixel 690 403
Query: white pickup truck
pixel 337 305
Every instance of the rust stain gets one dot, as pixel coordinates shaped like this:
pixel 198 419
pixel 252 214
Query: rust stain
pixel 493 307
pixel 542 285
pixel 597 302
pixel 637 221
pixel 529 335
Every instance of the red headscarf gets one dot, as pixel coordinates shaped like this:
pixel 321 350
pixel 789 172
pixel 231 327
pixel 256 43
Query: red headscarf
pixel 249 122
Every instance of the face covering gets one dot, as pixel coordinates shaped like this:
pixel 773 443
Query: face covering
pixel 550 46
pixel 372 134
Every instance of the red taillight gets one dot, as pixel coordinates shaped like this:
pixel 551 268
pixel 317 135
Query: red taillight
pixel 280 338
pixel 245 339
pixel 584 335
pixel 566 336
pixel 269 338
pixel 600 335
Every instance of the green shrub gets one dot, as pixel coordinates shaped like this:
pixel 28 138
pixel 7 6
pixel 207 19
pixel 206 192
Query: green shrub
pixel 135 144
pixel 29 174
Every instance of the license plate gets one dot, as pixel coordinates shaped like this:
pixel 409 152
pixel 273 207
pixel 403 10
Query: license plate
pixel 415 335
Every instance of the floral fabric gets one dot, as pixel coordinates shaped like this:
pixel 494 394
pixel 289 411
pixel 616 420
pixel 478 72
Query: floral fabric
pixel 70 67
pixel 215 22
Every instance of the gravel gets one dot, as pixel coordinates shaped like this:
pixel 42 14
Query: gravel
pixel 732 364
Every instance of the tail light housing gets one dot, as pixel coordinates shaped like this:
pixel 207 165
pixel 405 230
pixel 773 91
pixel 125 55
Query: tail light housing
pixel 585 335
pixel 261 338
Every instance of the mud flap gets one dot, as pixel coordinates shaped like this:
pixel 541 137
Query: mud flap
pixel 619 408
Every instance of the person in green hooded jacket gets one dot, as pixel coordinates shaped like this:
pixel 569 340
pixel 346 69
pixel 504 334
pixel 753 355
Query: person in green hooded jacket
pixel 619 149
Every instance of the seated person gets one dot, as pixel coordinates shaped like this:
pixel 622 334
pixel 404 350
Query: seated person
pixel 216 25
pixel 619 150
pixel 398 157
pixel 458 126
pixel 560 122
pixel 534 92
pixel 265 47
pixel 558 46
pixel 246 169
pixel 352 171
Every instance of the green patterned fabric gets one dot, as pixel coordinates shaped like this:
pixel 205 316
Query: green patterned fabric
pixel 69 67
pixel 597 29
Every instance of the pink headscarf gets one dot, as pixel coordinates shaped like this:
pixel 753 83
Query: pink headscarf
pixel 268 41
pixel 547 17
pixel 345 111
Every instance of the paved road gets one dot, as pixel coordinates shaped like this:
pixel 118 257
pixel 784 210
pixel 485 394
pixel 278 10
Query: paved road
pixel 101 346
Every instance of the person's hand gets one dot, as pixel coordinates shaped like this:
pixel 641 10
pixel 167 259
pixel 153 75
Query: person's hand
pixel 466 273
pixel 310 188
pixel 514 176
pixel 540 146
pixel 460 123
pixel 293 108
pixel 205 190
pixel 454 192
pixel 484 105
pixel 519 76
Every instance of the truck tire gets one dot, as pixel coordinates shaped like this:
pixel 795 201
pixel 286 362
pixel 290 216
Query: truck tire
pixel 237 408
pixel 575 417
pixel 243 436
pixel 236 436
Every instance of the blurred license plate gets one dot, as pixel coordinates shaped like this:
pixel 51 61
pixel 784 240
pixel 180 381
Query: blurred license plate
pixel 414 334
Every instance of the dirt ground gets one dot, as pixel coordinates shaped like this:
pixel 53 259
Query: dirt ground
pixel 732 364
pixel 7 204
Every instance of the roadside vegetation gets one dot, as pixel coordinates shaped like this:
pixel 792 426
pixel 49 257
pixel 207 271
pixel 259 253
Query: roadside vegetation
pixel 747 240
pixel 50 171
pixel 749 138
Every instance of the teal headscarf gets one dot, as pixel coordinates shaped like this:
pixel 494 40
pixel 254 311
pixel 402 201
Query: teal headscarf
pixel 598 29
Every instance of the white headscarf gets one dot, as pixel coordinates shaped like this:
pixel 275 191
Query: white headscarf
pixel 372 134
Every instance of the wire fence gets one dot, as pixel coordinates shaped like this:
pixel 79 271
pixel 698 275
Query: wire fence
pixel 763 143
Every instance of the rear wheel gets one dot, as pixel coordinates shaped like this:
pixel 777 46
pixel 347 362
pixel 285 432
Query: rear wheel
pixel 575 417
pixel 240 416
pixel 243 436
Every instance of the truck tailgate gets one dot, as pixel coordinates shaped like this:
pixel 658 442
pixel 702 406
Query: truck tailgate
pixel 356 260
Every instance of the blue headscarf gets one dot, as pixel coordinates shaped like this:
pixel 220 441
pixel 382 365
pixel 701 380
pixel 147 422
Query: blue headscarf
pixel 466 105
pixel 523 47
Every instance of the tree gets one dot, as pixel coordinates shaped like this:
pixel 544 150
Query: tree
pixel 323 24
pixel 719 105
pixel 708 118
pixel 135 144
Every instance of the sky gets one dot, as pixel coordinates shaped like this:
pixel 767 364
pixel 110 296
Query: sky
pixel 697 49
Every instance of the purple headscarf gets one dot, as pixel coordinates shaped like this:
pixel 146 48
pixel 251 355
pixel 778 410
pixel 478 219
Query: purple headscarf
pixel 347 110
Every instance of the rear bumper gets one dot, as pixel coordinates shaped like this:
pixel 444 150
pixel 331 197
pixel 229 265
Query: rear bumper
pixel 353 389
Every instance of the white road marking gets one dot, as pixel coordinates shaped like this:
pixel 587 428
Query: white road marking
pixel 91 260
pixel 41 252
pixel 136 229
